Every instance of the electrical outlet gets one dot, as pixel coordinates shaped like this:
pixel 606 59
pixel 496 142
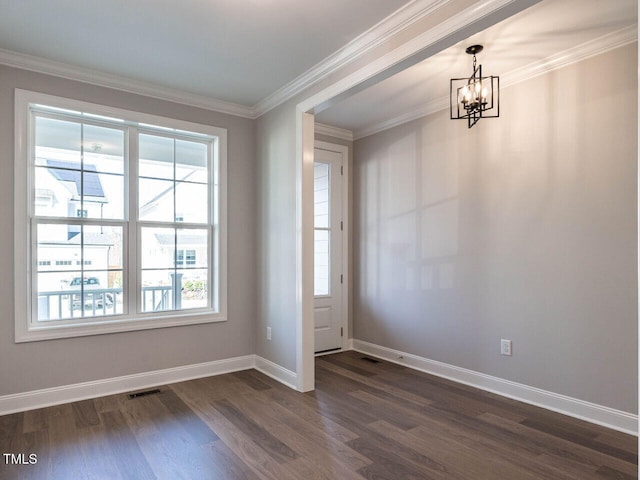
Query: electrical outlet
pixel 505 347
pixel 268 333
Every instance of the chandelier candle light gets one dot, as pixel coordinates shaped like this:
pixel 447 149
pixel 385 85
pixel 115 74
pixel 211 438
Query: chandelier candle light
pixel 475 97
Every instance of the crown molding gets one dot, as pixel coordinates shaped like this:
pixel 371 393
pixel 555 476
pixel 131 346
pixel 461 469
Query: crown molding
pixel 586 50
pixel 95 77
pixel 376 35
pixel 335 132
pixel 416 49
pixel 428 108
pixel 562 59
pixel 370 39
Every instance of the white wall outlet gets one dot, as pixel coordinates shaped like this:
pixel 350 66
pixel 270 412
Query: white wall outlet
pixel 268 333
pixel 505 347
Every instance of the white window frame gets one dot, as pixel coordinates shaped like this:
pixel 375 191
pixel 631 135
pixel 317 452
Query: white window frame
pixel 27 328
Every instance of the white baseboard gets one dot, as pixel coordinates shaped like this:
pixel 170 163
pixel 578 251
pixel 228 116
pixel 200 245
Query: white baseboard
pixel 21 402
pixel 590 412
pixel 277 372
pixel 601 415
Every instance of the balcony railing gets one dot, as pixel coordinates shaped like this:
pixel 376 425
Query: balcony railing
pixel 61 304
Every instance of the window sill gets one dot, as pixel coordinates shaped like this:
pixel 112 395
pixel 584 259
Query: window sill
pixel 34 333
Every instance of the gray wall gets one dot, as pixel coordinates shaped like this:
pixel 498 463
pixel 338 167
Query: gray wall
pixel 276 144
pixel 277 233
pixel 36 365
pixel 523 227
pixel 276 154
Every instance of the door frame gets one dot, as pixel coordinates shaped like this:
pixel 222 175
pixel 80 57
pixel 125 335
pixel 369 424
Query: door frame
pixel 346 236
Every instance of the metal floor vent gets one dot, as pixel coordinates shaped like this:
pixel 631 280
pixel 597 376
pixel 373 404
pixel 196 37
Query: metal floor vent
pixel 368 359
pixel 143 394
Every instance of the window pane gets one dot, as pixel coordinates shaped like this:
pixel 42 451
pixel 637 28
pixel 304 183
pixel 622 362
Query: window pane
pixel 321 195
pixel 97 298
pixel 321 263
pixel 191 203
pixel 72 262
pixel 157 247
pixel 156 156
pixel 193 289
pixel 156 200
pixel 57 294
pixel 58 247
pixel 57 140
pixel 79 295
pixel 59 187
pixel 158 291
pixel 115 283
pixel 103 195
pixel 192 248
pixel 191 161
pixel 65 185
pixel 57 191
pixel 103 248
pixel 103 148
pixel 162 287
pixel 61 247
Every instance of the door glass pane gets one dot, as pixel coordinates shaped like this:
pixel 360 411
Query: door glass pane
pixel 321 208
pixel 321 268
pixel 321 195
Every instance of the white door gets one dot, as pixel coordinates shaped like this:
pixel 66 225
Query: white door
pixel 327 273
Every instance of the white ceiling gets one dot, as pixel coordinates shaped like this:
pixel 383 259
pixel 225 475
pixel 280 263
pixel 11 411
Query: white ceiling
pixel 528 38
pixel 238 51
pixel 242 51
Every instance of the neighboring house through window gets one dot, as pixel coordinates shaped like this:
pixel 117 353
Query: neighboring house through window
pixel 131 206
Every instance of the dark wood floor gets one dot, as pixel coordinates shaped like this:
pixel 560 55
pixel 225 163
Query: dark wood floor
pixel 365 420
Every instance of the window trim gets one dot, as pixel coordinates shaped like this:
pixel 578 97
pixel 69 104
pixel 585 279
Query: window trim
pixel 24 263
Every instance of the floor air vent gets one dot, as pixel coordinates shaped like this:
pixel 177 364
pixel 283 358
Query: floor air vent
pixel 368 359
pixel 143 394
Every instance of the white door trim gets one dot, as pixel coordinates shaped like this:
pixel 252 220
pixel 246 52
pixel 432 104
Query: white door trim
pixel 344 151
pixel 305 361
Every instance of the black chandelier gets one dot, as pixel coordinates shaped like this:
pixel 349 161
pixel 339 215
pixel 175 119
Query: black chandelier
pixel 474 97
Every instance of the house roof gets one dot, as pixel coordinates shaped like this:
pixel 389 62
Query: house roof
pixel 168 239
pixel 90 240
pixel 68 172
